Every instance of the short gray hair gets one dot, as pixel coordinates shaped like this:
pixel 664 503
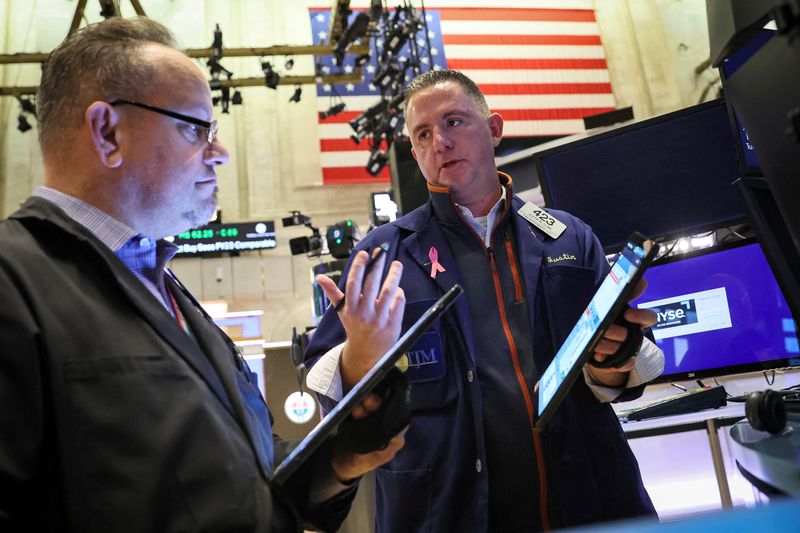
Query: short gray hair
pixel 98 62
pixel 432 77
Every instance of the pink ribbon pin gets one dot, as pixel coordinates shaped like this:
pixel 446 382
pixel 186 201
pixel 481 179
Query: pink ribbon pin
pixel 436 266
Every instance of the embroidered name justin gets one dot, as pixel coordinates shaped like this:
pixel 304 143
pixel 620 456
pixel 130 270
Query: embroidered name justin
pixel 563 257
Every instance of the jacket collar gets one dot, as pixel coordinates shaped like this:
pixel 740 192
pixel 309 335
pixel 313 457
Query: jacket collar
pixel 425 232
pixel 39 213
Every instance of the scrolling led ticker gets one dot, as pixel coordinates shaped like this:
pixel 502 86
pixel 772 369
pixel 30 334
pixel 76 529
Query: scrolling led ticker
pixel 220 238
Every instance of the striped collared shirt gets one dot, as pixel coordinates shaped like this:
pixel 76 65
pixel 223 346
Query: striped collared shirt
pixel 144 256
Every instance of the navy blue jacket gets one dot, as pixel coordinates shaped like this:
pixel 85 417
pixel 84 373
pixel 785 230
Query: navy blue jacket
pixel 437 482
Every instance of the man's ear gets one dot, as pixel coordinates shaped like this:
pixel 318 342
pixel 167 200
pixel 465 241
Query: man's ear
pixel 103 122
pixel 496 127
pixel 413 153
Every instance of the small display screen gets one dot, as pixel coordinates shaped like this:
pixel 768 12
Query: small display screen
pixel 383 206
pixel 581 335
pixel 719 312
pixel 218 238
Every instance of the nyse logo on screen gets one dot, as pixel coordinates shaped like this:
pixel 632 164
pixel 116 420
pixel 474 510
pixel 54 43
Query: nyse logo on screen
pixel 676 314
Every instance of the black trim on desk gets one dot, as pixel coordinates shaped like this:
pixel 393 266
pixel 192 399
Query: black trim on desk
pixel 768 490
pixel 722 421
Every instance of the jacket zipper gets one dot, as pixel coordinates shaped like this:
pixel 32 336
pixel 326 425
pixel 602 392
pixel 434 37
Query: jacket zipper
pixel 537 443
pixel 514 271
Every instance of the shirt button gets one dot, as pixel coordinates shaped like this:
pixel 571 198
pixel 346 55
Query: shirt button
pixel 470 375
pixel 144 242
pixel 477 465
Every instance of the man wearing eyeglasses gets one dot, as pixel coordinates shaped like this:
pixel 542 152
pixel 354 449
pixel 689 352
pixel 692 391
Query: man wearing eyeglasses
pixel 123 407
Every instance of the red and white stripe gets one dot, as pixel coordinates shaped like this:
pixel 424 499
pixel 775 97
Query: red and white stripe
pixel 540 63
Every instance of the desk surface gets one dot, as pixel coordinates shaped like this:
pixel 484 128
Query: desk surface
pixel 773 459
pixel 664 425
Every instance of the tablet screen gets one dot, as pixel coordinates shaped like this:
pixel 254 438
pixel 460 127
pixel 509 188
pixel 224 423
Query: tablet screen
pixel 591 324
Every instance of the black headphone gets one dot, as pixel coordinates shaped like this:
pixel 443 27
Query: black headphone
pixel 766 410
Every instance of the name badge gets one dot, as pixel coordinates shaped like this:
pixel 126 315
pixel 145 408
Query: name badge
pixel 544 221
pixel 425 360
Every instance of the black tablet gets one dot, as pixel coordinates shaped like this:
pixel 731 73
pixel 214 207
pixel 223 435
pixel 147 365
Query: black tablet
pixel 330 424
pixel 603 310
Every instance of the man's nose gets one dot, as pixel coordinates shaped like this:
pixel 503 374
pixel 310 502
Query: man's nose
pixel 441 141
pixel 216 154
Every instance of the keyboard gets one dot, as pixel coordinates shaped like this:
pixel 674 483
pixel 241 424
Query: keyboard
pixel 686 402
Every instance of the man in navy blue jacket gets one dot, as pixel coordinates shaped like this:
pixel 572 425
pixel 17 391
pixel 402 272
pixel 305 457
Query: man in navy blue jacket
pixel 472 461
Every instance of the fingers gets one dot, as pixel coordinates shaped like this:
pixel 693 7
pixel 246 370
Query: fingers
pixel 390 289
pixel 379 457
pixel 396 442
pixel 615 333
pixel 626 367
pixel 368 405
pixel 644 317
pixel 398 307
pixel 355 279
pixel 329 287
pixel 639 289
pixel 362 287
pixel 347 465
pixel 371 283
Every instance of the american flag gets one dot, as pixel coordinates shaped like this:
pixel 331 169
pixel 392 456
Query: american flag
pixel 540 63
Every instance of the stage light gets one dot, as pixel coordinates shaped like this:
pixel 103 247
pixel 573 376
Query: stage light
pixel 332 111
pixel 22 123
pixel 354 32
pixel 377 160
pixel 271 78
pixel 361 60
pixel 27 106
pixel 298 91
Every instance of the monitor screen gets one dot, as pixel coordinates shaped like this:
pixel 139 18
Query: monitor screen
pixel 382 205
pixel 745 151
pixel 667 176
pixel 765 93
pixel 720 311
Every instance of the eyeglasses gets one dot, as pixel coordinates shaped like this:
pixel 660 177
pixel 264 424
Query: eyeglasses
pixel 206 129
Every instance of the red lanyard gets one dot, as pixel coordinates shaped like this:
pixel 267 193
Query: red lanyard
pixel 176 310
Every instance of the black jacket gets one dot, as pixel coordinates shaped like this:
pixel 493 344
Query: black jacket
pixel 112 417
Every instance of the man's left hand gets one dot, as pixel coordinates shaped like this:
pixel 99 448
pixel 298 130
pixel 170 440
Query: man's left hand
pixel 348 465
pixel 613 339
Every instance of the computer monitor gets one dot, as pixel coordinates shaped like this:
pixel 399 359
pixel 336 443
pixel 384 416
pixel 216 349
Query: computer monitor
pixel 745 151
pixel 765 94
pixel 383 209
pixel 666 176
pixel 720 311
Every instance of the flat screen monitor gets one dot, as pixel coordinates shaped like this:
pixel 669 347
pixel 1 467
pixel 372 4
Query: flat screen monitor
pixel 765 94
pixel 720 311
pixel 383 209
pixel 666 176
pixel 745 151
